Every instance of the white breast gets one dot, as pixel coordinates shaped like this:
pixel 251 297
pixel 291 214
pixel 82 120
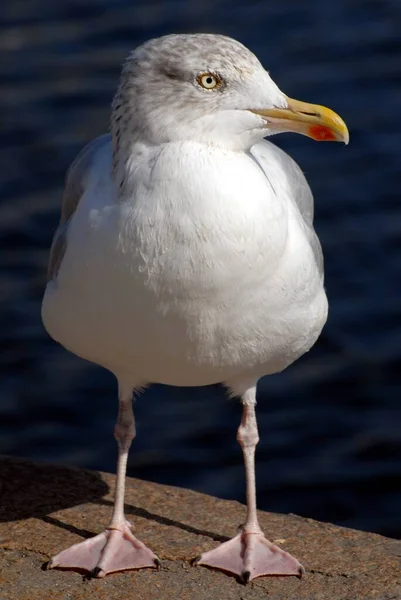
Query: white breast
pixel 200 272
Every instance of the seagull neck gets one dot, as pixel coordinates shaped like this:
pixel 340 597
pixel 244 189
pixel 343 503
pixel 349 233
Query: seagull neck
pixel 128 154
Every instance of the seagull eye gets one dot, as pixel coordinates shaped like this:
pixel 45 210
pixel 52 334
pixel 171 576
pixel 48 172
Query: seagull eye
pixel 209 81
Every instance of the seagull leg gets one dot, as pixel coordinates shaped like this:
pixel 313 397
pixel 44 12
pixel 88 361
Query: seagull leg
pixel 116 548
pixel 249 554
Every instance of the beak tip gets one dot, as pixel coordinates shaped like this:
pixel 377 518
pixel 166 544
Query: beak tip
pixel 345 137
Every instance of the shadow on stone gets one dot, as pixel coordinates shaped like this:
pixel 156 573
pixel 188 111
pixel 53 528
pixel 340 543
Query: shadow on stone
pixel 136 511
pixel 45 490
pixel 50 488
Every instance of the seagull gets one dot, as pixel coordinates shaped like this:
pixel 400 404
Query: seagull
pixel 186 255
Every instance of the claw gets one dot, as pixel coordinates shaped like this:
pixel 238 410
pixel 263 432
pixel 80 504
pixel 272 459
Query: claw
pixel 301 572
pixel 245 576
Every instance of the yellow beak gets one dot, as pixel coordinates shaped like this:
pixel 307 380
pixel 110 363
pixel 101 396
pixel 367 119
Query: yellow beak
pixel 317 122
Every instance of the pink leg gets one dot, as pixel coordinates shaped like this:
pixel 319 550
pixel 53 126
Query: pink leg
pixel 116 548
pixel 249 554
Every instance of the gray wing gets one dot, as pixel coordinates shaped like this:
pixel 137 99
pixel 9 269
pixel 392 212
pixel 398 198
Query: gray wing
pixel 268 156
pixel 74 188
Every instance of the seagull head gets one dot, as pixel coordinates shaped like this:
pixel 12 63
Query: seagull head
pixel 209 89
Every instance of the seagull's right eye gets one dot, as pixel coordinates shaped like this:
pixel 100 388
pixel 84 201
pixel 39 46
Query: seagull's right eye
pixel 209 81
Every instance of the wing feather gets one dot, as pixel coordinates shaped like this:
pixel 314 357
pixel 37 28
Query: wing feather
pixel 74 188
pixel 270 157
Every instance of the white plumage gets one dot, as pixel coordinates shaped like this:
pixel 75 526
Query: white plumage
pixel 204 272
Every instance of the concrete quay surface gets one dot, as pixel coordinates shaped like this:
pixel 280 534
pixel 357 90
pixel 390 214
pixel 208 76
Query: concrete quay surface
pixel 45 508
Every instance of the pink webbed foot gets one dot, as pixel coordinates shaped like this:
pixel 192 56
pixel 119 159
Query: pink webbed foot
pixel 251 555
pixel 110 551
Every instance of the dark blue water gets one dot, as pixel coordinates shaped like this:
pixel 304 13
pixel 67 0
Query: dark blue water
pixel 330 425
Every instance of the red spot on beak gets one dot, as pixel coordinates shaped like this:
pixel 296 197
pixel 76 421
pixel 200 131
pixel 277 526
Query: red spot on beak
pixel 321 133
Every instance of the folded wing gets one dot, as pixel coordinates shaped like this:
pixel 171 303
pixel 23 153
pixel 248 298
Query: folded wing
pixel 74 188
pixel 268 156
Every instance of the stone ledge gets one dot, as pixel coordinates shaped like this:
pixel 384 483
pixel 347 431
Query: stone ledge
pixel 45 508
